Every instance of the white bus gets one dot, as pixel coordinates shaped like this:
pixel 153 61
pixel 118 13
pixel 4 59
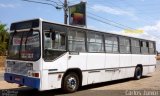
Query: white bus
pixel 46 55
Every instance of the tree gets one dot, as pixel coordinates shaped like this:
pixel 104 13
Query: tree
pixel 4 35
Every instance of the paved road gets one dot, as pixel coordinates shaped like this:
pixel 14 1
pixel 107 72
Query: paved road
pixel 113 88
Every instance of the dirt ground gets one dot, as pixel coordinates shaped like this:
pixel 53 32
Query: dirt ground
pixel 2 61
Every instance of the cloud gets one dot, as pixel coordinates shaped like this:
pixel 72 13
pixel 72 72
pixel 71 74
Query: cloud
pixel 7 5
pixel 151 32
pixel 112 10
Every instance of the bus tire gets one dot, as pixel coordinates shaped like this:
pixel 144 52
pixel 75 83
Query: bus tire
pixel 70 82
pixel 138 73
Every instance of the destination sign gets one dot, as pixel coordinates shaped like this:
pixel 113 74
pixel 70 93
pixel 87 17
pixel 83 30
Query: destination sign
pixel 25 25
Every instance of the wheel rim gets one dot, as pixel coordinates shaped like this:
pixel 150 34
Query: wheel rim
pixel 72 83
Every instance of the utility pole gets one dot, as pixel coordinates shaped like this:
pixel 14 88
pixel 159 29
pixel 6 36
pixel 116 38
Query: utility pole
pixel 65 12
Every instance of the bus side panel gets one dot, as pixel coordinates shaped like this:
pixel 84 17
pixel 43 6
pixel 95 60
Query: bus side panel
pixel 95 61
pixel 136 59
pixel 145 63
pixel 77 61
pixel 145 59
pixel 152 59
pixel 51 72
pixel 112 61
pixel 85 78
pixel 152 62
pixel 125 63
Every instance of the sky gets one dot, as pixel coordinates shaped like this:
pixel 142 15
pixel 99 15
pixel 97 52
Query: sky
pixel 136 14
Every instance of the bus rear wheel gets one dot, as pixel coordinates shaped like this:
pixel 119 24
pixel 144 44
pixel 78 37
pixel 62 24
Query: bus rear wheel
pixel 138 73
pixel 70 83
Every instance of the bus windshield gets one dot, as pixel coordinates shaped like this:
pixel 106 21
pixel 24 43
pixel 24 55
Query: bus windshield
pixel 24 45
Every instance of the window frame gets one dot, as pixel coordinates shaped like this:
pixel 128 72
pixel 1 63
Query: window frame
pixel 112 51
pixel 102 41
pixel 154 52
pixel 135 46
pixel 68 39
pixel 126 38
pixel 147 46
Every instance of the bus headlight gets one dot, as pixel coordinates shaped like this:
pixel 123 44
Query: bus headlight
pixel 8 70
pixel 29 73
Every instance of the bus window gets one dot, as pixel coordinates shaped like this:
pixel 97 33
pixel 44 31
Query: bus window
pixel 76 40
pixel 144 47
pixel 55 40
pixel 47 40
pixel 111 44
pixel 151 48
pixel 124 45
pixel 135 46
pixel 95 42
pixel 54 44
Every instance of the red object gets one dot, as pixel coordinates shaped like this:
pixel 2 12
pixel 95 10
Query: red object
pixel 78 18
pixel 35 74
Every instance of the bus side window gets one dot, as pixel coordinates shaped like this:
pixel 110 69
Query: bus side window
pixel 95 42
pixel 76 40
pixel 135 46
pixel 151 48
pixel 47 40
pixel 58 40
pixel 144 47
pixel 111 44
pixel 62 36
pixel 124 45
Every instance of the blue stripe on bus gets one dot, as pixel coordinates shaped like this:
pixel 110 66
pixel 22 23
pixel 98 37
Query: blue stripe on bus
pixel 23 80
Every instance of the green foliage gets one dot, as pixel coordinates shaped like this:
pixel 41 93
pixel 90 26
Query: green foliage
pixel 4 35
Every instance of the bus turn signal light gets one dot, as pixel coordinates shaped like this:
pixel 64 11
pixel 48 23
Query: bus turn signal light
pixel 35 74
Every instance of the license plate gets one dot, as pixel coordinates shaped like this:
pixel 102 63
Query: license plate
pixel 17 79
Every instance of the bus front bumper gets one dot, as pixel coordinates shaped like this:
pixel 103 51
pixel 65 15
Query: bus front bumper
pixel 22 80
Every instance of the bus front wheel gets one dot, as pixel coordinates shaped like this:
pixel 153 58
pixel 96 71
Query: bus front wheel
pixel 70 82
pixel 138 73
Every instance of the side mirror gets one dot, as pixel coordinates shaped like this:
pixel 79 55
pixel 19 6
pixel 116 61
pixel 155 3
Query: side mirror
pixel 47 35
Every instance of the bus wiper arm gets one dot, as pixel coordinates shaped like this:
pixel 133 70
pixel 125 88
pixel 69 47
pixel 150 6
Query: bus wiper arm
pixel 12 39
pixel 27 37
pixel 13 35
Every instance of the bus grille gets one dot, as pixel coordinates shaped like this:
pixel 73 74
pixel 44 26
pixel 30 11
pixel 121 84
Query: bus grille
pixel 20 68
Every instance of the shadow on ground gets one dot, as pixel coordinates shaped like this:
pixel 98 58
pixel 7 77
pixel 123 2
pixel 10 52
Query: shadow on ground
pixel 26 91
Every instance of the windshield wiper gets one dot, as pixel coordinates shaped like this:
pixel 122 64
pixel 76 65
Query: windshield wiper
pixel 11 41
pixel 27 37
pixel 13 35
pixel 21 45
